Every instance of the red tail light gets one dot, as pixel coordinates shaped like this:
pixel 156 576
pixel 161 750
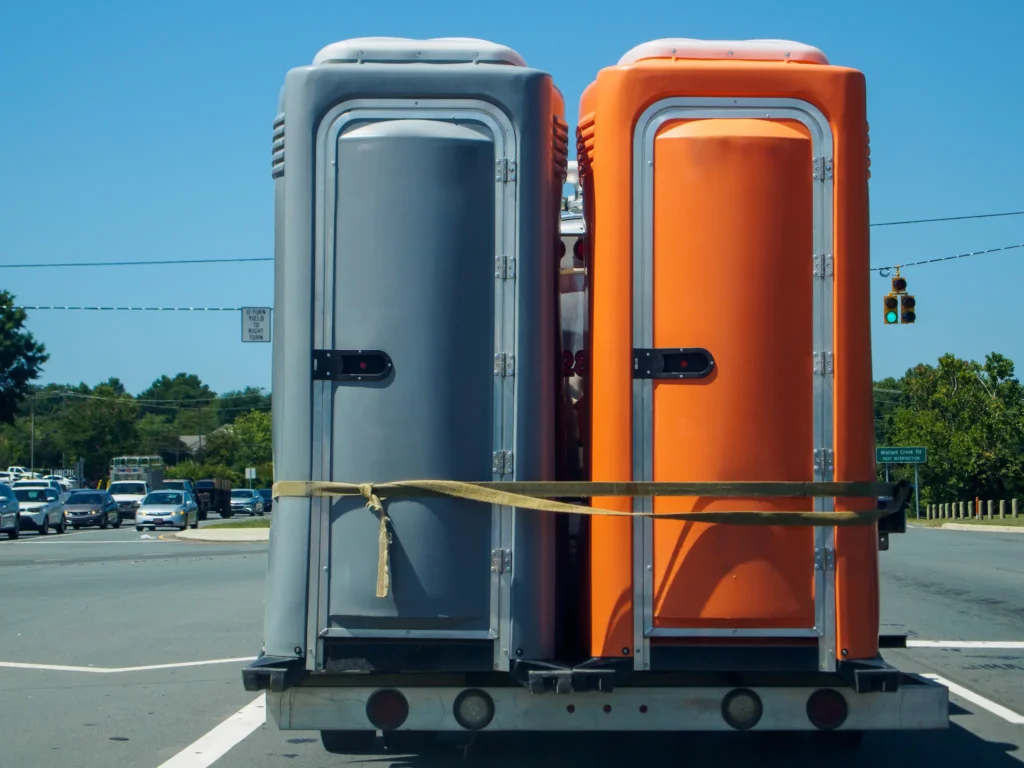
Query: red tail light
pixel 387 710
pixel 826 709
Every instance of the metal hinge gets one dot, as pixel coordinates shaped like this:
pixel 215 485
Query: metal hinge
pixel 501 561
pixel 824 559
pixel 823 363
pixel 822 169
pixel 823 265
pixel 504 364
pixel 824 459
pixel 502 462
pixel 504 267
pixel 504 170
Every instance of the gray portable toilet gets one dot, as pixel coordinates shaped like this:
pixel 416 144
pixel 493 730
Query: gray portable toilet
pixel 418 185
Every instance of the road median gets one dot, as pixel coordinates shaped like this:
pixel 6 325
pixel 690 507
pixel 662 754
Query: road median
pixel 226 534
pixel 987 528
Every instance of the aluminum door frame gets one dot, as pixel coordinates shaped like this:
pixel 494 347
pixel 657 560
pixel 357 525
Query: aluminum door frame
pixel 819 262
pixel 503 136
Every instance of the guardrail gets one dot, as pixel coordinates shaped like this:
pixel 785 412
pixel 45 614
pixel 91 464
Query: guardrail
pixel 987 509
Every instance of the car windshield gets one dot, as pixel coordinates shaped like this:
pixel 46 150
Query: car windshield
pixel 30 494
pixel 162 498
pixel 85 498
pixel 265 492
pixel 128 489
pixel 241 494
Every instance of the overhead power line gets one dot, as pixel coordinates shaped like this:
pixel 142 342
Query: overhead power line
pixel 133 263
pixel 947 218
pixel 936 260
pixel 145 401
pixel 949 258
pixel 140 309
pixel 239 260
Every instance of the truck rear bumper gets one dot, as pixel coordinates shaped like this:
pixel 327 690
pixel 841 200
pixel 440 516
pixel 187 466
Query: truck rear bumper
pixel 918 704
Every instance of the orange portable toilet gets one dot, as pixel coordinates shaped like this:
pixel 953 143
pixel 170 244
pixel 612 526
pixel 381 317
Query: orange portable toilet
pixel 726 202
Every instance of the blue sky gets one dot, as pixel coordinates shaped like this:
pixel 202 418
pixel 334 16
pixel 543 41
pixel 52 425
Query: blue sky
pixel 142 131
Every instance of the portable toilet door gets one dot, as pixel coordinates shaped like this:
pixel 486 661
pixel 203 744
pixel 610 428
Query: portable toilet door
pixel 430 170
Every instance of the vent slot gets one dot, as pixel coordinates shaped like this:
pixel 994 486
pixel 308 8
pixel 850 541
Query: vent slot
pixel 277 148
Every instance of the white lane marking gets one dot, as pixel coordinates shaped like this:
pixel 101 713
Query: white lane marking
pixel 208 749
pixel 37 539
pixel 996 709
pixel 115 541
pixel 1005 645
pixel 111 670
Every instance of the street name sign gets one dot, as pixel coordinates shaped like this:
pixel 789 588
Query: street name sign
pixel 901 455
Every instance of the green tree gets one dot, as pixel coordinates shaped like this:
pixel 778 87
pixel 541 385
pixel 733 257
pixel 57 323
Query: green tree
pixel 236 402
pixel 98 426
pixel 970 416
pixel 158 435
pixel 221 447
pixel 183 390
pixel 252 431
pixel 21 358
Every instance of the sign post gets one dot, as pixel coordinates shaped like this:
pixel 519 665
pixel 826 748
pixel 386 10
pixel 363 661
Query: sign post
pixel 904 455
pixel 250 474
pixel 256 324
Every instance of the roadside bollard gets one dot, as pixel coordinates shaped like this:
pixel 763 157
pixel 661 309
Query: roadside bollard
pixel 963 509
pixel 991 509
pixel 1002 508
pixel 970 510
pixel 1013 508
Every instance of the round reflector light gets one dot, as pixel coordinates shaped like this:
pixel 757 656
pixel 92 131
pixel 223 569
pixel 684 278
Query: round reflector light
pixel 387 709
pixel 826 709
pixel 742 709
pixel 473 709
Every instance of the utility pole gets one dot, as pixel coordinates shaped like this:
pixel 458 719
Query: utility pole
pixel 32 458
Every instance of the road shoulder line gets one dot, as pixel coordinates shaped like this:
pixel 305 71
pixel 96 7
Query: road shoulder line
pixel 209 748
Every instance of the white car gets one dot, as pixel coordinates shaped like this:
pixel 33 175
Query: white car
pixel 40 508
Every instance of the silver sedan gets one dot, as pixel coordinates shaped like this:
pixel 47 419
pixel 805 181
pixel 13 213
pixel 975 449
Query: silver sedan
pixel 167 509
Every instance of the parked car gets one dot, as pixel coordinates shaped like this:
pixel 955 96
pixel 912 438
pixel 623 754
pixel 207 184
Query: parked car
pixel 91 508
pixel 167 509
pixel 268 499
pixel 246 501
pixel 10 517
pixel 41 508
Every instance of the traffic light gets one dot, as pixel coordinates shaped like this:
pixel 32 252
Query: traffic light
pixel 899 284
pixel 907 313
pixel 889 314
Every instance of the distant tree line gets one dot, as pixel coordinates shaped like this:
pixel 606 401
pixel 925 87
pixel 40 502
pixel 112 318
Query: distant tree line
pixel 970 417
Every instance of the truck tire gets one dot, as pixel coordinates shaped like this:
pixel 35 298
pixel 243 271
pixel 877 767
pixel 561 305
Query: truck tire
pixel 226 513
pixel 349 742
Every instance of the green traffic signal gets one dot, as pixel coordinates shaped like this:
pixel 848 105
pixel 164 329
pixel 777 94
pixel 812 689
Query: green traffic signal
pixel 890 315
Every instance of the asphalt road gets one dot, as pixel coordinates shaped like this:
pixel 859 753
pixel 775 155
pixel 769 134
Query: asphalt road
pixel 99 603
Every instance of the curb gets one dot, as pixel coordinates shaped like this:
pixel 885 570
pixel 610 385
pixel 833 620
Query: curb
pixel 222 536
pixel 982 528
